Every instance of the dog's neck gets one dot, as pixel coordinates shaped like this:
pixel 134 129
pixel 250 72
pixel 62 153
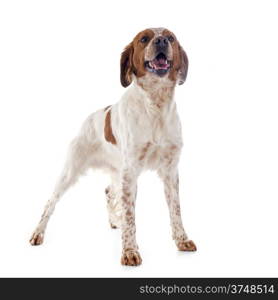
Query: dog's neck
pixel 159 91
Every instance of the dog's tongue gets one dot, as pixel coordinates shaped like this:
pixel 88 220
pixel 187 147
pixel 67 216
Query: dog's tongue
pixel 160 63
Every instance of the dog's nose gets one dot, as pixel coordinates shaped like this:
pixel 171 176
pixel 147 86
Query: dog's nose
pixel 161 42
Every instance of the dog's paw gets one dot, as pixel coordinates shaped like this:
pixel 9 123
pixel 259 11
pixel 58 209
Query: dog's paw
pixel 131 257
pixel 37 239
pixel 186 246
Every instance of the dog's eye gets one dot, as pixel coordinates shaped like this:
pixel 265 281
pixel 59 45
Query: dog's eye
pixel 171 39
pixel 144 39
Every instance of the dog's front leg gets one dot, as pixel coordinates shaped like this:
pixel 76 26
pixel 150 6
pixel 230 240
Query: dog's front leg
pixel 170 179
pixel 130 255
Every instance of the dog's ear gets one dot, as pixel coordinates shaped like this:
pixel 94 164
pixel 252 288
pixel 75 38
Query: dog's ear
pixel 127 65
pixel 182 73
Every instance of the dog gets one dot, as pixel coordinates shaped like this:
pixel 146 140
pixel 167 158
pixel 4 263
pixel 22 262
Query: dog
pixel 142 131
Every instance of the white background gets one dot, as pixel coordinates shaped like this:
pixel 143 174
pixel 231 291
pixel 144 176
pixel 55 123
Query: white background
pixel 59 61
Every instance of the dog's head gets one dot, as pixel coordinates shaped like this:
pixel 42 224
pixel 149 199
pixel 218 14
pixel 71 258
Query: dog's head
pixel 154 51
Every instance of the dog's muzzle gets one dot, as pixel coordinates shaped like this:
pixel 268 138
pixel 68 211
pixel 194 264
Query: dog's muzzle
pixel 160 65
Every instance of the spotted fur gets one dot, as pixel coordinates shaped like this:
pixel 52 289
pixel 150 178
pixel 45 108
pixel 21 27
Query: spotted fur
pixel 142 131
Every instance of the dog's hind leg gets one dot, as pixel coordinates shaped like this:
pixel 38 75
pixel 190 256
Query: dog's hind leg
pixel 76 164
pixel 112 194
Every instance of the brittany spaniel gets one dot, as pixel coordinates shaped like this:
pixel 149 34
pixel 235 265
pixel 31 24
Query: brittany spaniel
pixel 142 131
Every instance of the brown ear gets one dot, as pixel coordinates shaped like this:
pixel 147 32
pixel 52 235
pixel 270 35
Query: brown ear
pixel 127 65
pixel 182 73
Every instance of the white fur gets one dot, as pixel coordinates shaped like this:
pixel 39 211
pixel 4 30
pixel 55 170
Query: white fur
pixel 148 136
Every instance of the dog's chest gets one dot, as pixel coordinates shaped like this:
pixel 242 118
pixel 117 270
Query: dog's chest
pixel 154 156
pixel 161 144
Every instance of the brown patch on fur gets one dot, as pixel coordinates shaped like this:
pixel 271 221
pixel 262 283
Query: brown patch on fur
pixel 182 74
pixel 125 200
pixel 173 148
pixel 126 192
pixel 126 65
pixel 108 133
pixel 179 69
pixel 133 58
pixel 139 51
pixel 144 151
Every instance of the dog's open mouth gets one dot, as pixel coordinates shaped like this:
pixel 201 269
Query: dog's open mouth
pixel 160 65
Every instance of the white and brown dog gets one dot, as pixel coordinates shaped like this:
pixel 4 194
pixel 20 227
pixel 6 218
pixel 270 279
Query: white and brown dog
pixel 142 131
